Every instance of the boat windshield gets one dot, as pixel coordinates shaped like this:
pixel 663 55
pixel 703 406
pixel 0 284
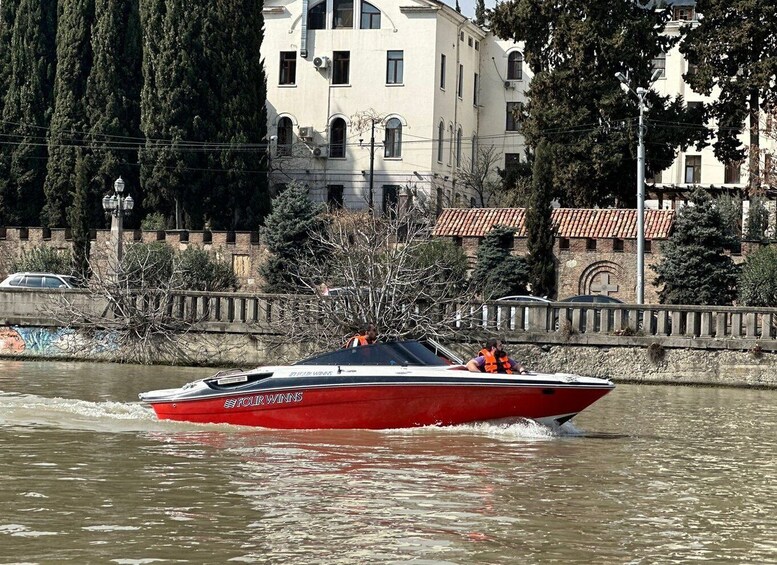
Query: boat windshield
pixel 390 353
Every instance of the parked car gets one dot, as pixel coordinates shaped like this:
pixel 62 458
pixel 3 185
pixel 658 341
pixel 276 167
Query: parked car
pixel 593 299
pixel 40 280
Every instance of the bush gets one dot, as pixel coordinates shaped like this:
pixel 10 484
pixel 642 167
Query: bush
pixel 758 279
pixel 44 260
pixel 148 265
pixel 198 270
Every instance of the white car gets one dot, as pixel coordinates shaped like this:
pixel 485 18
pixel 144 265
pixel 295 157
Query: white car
pixel 40 280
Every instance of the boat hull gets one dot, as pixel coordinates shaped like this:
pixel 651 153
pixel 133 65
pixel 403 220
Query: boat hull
pixel 382 407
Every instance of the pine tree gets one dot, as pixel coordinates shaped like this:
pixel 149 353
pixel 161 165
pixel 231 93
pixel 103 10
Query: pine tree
pixel 74 59
pixel 498 272
pixel 694 268
pixel 28 108
pixel 113 101
pixel 733 51
pixel 78 218
pixel 539 227
pixel 574 48
pixel 287 234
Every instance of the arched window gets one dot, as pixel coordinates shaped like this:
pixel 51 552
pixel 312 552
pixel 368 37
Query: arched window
pixel 285 137
pixel 393 143
pixel 337 138
pixel 440 137
pixel 317 16
pixel 458 148
pixel 515 66
pixel 370 16
pixel 342 14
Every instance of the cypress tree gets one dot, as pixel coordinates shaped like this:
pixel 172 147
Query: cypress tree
pixel 540 260
pixel 78 217
pixel 74 56
pixel 175 110
pixel 113 101
pixel 28 108
pixel 239 195
pixel 7 13
pixel 480 13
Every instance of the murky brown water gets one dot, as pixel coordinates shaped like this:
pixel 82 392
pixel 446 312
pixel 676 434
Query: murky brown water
pixel 647 475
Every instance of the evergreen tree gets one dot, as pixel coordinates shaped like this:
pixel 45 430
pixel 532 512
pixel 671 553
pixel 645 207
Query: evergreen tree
pixel 480 13
pixel 458 8
pixel 694 268
pixel 539 227
pixel 239 196
pixel 574 48
pixel 733 50
pixel 113 101
pixel 287 234
pixel 757 221
pixel 7 14
pixel 74 58
pixel 78 218
pixel 498 272
pixel 758 281
pixel 27 112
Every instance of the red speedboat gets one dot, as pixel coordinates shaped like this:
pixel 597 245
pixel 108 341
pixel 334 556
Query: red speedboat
pixel 386 385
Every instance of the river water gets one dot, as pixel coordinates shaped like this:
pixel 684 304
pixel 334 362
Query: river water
pixel 649 474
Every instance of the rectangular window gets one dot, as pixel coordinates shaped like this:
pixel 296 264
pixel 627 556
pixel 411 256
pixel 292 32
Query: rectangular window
pixel 442 71
pixel 563 243
pixel 390 199
pixel 590 244
pixel 394 67
pixel 342 14
pixel 733 173
pixel 288 67
pixel 514 116
pixel 460 90
pixel 617 245
pixel 469 41
pixel 477 46
pixel 341 63
pixel 475 88
pixel 659 64
pixel 648 246
pixel 512 161
pixel 693 169
pixel 334 196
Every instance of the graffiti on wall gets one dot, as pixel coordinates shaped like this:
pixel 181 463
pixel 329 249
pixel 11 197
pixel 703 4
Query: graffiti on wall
pixel 53 342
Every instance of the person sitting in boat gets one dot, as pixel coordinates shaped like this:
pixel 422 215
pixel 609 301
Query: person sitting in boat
pixel 366 337
pixel 492 359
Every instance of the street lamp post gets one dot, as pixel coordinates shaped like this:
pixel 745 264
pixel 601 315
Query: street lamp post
pixel 117 207
pixel 640 93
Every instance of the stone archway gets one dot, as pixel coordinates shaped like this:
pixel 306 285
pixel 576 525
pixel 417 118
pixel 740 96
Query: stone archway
pixel 602 277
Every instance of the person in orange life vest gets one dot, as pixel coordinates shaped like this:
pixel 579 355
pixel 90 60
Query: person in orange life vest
pixel 367 337
pixel 492 359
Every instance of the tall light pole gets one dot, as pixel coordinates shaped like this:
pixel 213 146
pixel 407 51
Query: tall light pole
pixel 372 162
pixel 117 207
pixel 640 93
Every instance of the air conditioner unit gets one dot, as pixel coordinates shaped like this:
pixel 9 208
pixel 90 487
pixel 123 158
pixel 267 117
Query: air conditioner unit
pixel 321 62
pixel 508 84
pixel 321 152
pixel 306 133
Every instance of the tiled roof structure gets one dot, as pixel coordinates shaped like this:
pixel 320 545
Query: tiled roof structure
pixel 593 223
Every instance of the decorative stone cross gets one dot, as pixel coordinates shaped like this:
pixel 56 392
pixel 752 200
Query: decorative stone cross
pixel 601 284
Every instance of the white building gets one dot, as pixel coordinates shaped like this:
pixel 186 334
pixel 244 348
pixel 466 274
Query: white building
pixel 434 85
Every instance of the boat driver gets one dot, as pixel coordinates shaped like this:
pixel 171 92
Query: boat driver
pixel 492 359
pixel 367 337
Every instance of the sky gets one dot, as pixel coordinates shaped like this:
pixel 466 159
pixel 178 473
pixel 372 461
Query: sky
pixel 468 6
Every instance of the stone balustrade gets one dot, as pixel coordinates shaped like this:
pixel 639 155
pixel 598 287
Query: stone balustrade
pixel 698 327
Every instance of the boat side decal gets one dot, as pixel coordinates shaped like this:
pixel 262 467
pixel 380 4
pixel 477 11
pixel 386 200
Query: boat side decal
pixel 264 400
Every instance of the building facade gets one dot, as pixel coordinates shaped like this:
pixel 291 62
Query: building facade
pixel 371 103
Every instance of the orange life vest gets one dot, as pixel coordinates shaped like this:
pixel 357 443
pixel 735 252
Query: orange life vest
pixel 496 364
pixel 357 341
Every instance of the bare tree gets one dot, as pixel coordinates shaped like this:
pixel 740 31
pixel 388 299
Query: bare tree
pixel 480 176
pixel 381 270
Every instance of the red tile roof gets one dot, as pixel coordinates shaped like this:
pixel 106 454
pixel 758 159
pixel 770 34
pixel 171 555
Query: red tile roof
pixel 595 223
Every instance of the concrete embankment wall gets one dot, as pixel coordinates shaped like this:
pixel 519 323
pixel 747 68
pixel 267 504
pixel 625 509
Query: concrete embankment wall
pixel 684 345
